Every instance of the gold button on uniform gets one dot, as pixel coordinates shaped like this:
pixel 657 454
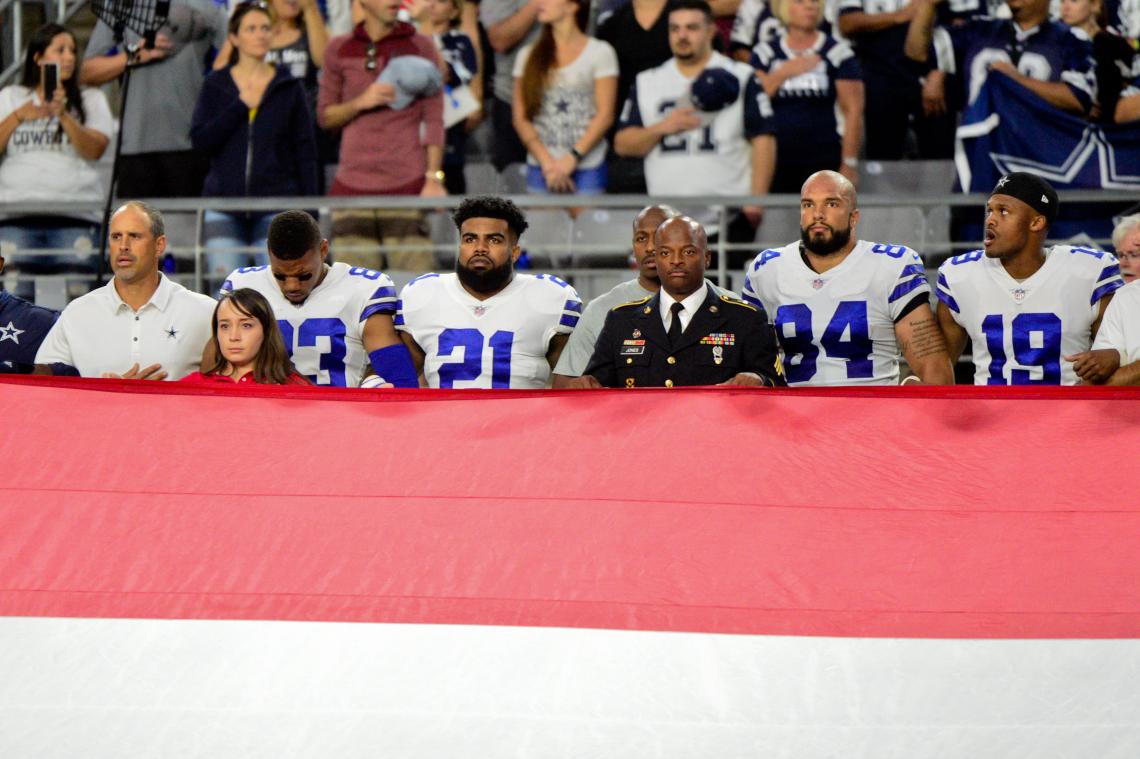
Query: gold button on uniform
pixel 629 360
pixel 670 360
pixel 668 383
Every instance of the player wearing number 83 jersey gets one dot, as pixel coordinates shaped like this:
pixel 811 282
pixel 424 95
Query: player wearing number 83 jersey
pixel 484 326
pixel 842 307
pixel 336 319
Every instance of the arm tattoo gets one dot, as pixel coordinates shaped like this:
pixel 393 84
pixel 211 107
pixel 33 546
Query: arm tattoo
pixel 925 340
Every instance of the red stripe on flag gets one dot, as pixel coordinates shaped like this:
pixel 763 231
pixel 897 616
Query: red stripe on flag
pixel 846 513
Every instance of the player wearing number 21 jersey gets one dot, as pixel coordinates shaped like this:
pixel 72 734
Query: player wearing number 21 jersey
pixel 336 320
pixel 843 307
pixel 484 326
pixel 1030 312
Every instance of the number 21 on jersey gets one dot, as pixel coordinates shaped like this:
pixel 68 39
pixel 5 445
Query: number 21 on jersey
pixel 470 341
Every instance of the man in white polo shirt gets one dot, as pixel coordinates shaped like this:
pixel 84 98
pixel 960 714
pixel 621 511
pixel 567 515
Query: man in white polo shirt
pixel 141 325
pixel 1120 331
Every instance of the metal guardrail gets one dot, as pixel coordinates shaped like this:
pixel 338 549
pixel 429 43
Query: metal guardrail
pixel 719 204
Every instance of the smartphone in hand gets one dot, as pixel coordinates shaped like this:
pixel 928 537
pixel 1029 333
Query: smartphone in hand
pixel 51 80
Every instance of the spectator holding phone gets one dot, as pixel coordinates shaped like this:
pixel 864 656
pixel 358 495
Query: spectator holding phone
pixel 52 131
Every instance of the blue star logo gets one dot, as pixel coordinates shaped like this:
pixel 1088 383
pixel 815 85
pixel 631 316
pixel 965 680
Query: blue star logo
pixel 563 106
pixel 172 333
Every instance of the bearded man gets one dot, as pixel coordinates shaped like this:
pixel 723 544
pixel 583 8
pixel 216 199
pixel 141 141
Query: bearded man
pixel 842 307
pixel 486 326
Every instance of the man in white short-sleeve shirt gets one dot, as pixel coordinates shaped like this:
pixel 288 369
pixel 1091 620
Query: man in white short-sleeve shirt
pixel 140 325
pixel 1120 330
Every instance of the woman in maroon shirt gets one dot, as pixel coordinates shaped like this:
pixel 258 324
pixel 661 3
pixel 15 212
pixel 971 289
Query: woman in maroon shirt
pixel 247 344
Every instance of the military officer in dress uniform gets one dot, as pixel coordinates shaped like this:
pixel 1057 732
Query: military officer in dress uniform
pixel 686 334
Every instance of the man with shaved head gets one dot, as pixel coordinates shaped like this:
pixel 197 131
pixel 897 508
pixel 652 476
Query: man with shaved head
pixel 687 333
pixel 581 345
pixel 843 307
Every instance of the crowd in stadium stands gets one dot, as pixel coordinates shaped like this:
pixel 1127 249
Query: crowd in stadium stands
pixel 665 97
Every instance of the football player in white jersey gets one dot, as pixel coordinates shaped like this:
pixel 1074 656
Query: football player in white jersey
pixel 336 320
pixel 1030 312
pixel 484 325
pixel 843 307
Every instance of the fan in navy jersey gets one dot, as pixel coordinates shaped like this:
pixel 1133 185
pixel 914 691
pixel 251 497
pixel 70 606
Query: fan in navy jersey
pixel 484 325
pixel 1031 312
pixel 806 72
pixel 1128 107
pixel 458 53
pixel 900 95
pixel 725 148
pixel 755 24
pixel 1044 56
pixel 23 326
pixel 336 320
pixel 844 307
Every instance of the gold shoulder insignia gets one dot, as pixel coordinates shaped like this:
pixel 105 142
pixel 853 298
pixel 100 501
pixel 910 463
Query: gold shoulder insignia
pixel 633 303
pixel 737 302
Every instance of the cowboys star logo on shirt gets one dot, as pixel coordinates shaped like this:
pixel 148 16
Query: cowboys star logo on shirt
pixel 11 332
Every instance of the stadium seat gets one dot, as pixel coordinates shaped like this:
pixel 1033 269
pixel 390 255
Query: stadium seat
pixel 898 225
pixel 907 178
pixel 548 239
pixel 601 237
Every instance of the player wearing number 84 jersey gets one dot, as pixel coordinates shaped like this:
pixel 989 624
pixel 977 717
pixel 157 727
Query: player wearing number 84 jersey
pixel 1030 312
pixel 842 308
pixel 485 326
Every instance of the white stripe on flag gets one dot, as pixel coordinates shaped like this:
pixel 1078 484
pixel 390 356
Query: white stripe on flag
pixel 219 689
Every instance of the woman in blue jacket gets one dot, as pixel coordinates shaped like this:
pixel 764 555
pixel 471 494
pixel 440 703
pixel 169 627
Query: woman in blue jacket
pixel 253 122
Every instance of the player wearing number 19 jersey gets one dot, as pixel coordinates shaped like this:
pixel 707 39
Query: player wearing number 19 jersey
pixel 485 326
pixel 1030 312
pixel 842 307
pixel 336 320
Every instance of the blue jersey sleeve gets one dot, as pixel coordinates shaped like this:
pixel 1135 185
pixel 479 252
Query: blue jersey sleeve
pixel 758 117
pixel 843 64
pixel 1079 70
pixel 630 113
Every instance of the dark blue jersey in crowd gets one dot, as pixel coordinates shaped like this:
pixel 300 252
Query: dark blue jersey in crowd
pixel 23 326
pixel 459 54
pixel 756 24
pixel 1050 52
pixel 882 52
pixel 805 104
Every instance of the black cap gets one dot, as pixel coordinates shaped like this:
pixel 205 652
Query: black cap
pixel 1032 190
pixel 713 89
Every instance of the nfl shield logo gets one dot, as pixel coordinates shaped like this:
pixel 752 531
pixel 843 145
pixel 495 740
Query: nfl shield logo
pixel 1019 295
pixel 817 283
pixel 480 310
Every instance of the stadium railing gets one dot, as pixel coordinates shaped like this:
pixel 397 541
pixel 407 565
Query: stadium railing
pixel 589 247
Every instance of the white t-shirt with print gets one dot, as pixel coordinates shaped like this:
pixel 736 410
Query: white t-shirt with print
pixel 568 104
pixel 40 163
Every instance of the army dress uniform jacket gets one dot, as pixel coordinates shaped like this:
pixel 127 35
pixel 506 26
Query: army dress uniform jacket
pixel 724 338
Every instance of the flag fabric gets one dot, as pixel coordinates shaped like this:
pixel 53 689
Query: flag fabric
pixel 709 572
pixel 1008 128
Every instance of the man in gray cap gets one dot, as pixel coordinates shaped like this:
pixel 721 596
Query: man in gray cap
pixel 1031 312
